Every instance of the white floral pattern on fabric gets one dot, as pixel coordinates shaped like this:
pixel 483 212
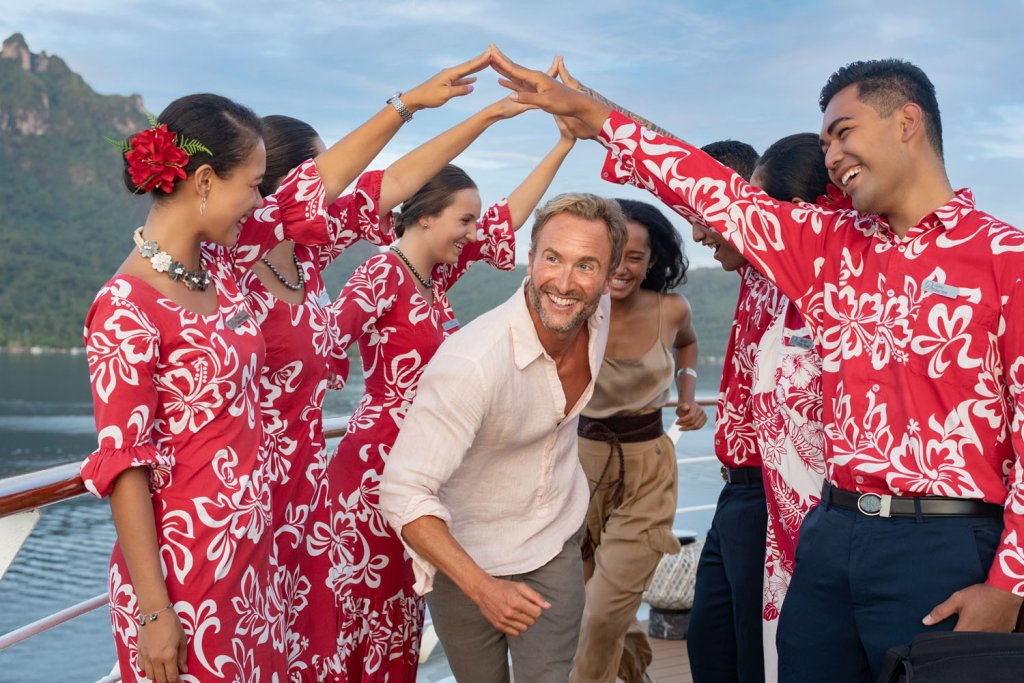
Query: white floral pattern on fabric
pixel 177 392
pixel 787 410
pixel 300 360
pixel 918 335
pixel 379 615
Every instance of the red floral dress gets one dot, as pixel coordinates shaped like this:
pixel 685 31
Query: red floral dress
pixel 787 410
pixel 177 392
pixel 299 342
pixel 379 616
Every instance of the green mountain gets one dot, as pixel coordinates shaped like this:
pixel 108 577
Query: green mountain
pixel 65 219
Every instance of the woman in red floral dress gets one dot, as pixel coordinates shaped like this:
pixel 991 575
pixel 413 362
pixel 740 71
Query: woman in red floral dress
pixel 396 307
pixel 299 357
pixel 174 358
pixel 786 399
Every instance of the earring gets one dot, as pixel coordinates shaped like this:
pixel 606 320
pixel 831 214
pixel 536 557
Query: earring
pixel 424 226
pixel 202 204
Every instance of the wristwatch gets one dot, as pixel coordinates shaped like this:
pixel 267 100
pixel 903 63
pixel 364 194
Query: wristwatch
pixel 396 102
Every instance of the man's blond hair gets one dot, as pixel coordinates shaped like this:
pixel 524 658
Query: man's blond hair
pixel 590 207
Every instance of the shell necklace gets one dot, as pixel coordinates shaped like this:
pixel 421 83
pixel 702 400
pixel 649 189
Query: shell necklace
pixel 163 263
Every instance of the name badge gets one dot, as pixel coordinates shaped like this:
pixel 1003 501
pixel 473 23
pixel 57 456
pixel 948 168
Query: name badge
pixel 324 299
pixel 449 325
pixel 941 288
pixel 801 342
pixel 237 320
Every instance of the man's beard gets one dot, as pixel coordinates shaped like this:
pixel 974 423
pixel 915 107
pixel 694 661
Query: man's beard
pixel 575 322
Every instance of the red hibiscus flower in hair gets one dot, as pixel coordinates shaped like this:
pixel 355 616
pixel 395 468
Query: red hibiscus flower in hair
pixel 155 162
pixel 834 198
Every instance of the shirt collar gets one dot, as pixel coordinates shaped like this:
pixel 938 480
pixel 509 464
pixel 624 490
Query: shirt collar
pixel 526 346
pixel 947 216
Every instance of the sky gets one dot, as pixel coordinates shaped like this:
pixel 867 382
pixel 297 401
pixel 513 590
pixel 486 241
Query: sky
pixel 704 69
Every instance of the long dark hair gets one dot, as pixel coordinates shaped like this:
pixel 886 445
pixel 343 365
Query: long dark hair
pixel 228 129
pixel 434 197
pixel 794 167
pixel 289 143
pixel 668 261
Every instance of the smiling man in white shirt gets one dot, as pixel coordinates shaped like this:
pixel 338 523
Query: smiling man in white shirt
pixel 484 483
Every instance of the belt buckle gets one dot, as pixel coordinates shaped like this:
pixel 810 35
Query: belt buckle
pixel 725 474
pixel 874 505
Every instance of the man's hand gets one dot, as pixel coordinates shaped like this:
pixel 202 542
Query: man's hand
pixel 449 83
pixel 543 91
pixel 981 608
pixel 510 606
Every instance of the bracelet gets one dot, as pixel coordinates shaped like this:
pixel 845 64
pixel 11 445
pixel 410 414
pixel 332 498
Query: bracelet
pixel 686 371
pixel 146 619
pixel 396 102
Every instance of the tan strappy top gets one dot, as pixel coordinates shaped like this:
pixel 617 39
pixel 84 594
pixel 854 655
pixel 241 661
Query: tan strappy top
pixel 633 386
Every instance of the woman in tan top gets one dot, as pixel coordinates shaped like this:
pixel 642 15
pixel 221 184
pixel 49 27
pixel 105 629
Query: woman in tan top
pixel 629 461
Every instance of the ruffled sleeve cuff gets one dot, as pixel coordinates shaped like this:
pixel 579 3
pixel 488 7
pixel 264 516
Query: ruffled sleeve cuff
pixel 301 208
pixel 498 241
pixel 104 465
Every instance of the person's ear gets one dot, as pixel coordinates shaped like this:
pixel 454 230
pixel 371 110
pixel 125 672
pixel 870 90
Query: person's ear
pixel 910 118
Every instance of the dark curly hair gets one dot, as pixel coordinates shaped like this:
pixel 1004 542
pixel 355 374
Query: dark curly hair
pixel 229 130
pixel 739 156
pixel 668 261
pixel 886 85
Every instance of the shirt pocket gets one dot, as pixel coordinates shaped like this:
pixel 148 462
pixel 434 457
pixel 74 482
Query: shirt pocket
pixel 950 340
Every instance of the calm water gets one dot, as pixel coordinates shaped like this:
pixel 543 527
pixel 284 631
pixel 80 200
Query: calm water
pixel 46 419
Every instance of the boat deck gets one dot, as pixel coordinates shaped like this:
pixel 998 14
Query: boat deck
pixel 670 664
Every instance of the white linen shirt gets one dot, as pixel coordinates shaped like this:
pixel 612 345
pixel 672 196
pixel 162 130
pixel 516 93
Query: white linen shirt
pixel 489 447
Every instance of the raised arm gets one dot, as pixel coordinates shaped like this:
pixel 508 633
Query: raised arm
pixel 407 175
pixel 572 82
pixel 347 158
pixel 524 198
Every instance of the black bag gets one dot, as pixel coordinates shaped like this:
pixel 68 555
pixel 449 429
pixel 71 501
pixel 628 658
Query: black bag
pixel 957 657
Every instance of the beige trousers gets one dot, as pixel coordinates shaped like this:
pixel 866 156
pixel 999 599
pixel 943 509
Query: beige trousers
pixel 631 539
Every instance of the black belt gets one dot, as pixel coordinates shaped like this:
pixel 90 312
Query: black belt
pixel 632 429
pixel 742 475
pixel 878 505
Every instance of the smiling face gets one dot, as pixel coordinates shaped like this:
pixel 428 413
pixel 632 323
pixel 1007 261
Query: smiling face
pixel 727 255
pixel 863 153
pixel 636 260
pixel 232 199
pixel 568 272
pixel 449 231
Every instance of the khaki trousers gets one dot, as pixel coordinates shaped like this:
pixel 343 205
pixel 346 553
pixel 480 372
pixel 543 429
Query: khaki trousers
pixel 631 539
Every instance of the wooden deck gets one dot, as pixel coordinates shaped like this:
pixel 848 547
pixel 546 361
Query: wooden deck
pixel 670 664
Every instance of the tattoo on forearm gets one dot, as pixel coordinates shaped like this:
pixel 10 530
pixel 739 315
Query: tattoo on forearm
pixel 622 110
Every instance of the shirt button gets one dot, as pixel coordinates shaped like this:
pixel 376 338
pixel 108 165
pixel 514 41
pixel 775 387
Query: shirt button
pixel 890 292
pixel 860 479
pixel 875 388
pixel 901 247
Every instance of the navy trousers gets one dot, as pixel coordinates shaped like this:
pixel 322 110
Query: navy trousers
pixel 861 585
pixel 723 640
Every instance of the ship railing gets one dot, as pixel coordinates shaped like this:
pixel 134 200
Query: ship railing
pixel 23 496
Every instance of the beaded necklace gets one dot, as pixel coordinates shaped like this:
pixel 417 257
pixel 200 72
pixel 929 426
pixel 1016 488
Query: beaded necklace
pixel 163 263
pixel 427 284
pixel 298 268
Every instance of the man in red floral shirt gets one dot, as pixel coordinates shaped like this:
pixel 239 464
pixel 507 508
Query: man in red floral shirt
pixel 915 303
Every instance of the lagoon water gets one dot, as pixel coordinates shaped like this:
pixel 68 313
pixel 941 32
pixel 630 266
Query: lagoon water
pixel 46 419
